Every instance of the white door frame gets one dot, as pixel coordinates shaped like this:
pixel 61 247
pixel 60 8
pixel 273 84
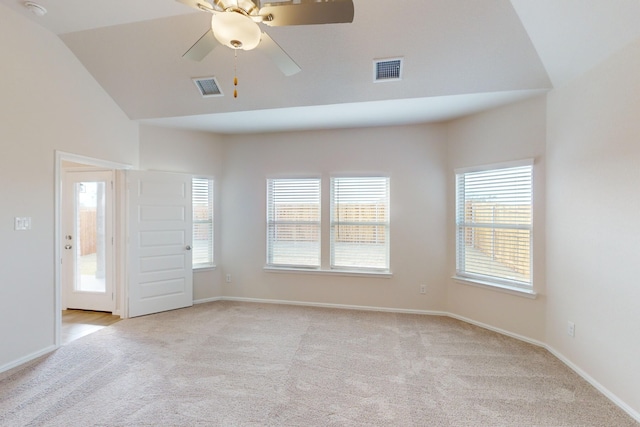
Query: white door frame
pixel 60 157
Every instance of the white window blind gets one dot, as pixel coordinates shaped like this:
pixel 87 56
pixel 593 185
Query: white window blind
pixel 494 225
pixel 293 222
pixel 360 223
pixel 202 200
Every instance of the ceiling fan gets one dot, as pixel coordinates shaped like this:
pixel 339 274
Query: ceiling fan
pixel 235 24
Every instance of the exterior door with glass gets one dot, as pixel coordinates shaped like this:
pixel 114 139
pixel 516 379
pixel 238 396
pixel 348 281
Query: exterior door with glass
pixel 87 239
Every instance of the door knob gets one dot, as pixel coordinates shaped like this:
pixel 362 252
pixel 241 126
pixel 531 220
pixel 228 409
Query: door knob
pixel 67 246
pixel 188 247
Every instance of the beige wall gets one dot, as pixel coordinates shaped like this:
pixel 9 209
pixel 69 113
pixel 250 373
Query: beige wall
pixel 413 156
pixel 196 153
pixel 505 134
pixel 48 102
pixel 593 232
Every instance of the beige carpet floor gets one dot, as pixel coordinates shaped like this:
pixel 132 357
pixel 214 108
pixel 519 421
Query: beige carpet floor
pixel 243 364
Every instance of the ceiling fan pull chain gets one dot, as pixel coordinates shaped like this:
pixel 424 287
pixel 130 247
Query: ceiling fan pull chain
pixel 235 73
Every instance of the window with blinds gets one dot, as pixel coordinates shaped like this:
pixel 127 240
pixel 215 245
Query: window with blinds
pixel 360 223
pixel 293 222
pixel 494 224
pixel 202 201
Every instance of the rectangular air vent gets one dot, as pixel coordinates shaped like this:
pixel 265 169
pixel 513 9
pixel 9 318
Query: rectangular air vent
pixel 208 86
pixel 385 70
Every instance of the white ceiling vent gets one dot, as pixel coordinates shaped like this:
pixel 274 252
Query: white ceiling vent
pixel 208 87
pixel 387 70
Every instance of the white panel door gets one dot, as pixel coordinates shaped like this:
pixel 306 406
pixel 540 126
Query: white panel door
pixel 160 233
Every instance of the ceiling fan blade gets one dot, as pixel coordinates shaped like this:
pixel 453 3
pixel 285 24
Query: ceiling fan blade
pixel 278 56
pixel 199 5
pixel 308 12
pixel 202 47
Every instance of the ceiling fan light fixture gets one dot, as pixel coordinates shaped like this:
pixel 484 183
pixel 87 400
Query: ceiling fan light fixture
pixel 235 30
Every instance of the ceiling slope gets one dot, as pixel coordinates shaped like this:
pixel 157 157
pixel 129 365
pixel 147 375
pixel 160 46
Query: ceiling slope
pixel 460 56
pixel 449 48
pixel 573 36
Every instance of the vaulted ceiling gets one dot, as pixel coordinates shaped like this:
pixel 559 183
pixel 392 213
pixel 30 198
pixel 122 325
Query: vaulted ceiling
pixel 459 57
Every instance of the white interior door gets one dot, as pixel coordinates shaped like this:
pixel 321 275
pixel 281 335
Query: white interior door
pixel 88 240
pixel 160 234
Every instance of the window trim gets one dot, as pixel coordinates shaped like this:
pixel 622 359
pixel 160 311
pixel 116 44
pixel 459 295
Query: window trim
pixel 301 267
pixel 334 272
pixel 386 224
pixel 513 290
pixel 499 165
pixel 325 232
pixel 496 282
pixel 208 265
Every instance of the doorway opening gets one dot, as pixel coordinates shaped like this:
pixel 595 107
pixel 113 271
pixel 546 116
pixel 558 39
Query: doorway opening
pixel 86 246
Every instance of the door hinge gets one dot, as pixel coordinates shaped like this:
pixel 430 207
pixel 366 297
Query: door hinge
pixel 112 185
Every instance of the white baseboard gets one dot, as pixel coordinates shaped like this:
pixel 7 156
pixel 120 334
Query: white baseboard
pixel 27 358
pixel 498 330
pixel 615 399
pixel 339 306
pixel 602 389
pixel 588 378
pixel 205 300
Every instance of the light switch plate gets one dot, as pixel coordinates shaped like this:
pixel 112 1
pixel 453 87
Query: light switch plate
pixel 22 223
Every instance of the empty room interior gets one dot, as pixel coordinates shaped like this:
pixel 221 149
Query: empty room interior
pixel 356 160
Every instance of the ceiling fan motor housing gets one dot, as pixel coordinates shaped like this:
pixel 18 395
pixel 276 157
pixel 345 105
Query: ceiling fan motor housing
pixel 246 6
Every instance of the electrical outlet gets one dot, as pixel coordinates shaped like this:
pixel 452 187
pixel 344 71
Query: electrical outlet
pixel 228 278
pixel 571 329
pixel 423 289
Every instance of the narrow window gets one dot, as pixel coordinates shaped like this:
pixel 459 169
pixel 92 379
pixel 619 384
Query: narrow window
pixel 293 223
pixel 202 200
pixel 494 224
pixel 360 223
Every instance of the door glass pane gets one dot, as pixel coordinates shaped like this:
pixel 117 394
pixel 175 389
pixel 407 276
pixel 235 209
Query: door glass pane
pixel 90 243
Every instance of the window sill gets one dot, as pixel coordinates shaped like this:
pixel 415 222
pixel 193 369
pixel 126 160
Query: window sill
pixel 357 273
pixel 204 268
pixel 513 290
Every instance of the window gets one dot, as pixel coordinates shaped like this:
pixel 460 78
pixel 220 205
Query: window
pixel 360 223
pixel 202 200
pixel 494 224
pixel 293 222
